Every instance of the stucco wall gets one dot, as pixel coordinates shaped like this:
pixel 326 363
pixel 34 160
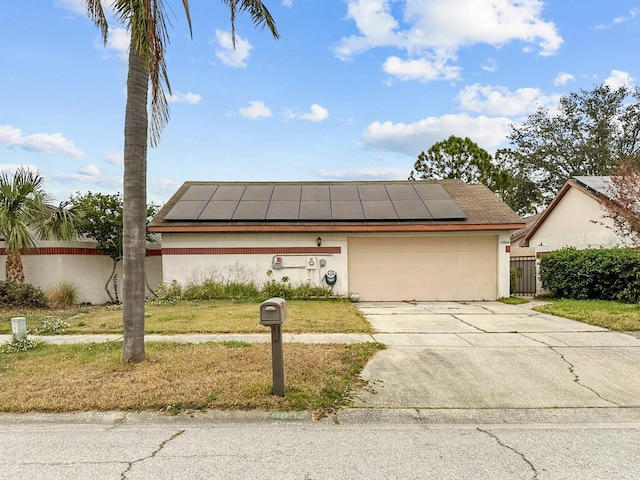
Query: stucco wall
pixel 193 257
pixel 79 264
pixel 577 220
pixel 248 256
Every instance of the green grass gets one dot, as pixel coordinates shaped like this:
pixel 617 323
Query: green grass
pixel 205 316
pixel 621 317
pixel 513 300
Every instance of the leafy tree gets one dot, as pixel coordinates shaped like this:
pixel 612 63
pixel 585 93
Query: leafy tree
pixel 588 134
pixel 623 204
pixel 463 159
pixel 27 214
pixel 520 192
pixel 145 21
pixel 101 219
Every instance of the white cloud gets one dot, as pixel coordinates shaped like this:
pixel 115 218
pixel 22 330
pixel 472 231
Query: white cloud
pixel 493 100
pixel 421 69
pixel 90 170
pixel 618 78
pixel 490 65
pixel 114 158
pixel 633 13
pixel 190 98
pixel 369 173
pixel 38 142
pixel 89 176
pixel 76 6
pixel 437 29
pixel 236 58
pixel 287 3
pixel 412 138
pixel 563 78
pixel 255 110
pixel 316 114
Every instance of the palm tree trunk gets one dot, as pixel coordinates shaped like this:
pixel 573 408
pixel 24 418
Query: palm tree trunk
pixel 135 208
pixel 13 268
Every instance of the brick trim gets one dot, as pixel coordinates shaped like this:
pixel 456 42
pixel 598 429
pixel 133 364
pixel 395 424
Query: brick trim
pixel 71 251
pixel 252 251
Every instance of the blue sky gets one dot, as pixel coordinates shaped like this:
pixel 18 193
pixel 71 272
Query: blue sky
pixel 353 90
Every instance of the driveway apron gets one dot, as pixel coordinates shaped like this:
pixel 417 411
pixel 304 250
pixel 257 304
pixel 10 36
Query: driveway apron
pixel 488 355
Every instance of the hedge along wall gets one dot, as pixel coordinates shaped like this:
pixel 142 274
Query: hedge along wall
pixel 592 274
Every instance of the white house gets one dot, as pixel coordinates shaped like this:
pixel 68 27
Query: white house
pixel 575 218
pixel 394 240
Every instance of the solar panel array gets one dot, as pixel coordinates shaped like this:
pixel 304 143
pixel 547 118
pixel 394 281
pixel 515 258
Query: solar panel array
pixel 294 202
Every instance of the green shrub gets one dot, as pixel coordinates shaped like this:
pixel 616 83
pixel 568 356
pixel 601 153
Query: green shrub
pixel 513 280
pixel 592 274
pixel 22 295
pixel 63 295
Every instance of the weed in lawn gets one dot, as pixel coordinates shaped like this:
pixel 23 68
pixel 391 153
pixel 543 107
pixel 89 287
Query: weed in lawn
pixel 19 345
pixel 236 344
pixel 50 326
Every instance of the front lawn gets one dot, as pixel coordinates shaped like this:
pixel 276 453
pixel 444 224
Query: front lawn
pixel 179 377
pixel 206 316
pixel 622 317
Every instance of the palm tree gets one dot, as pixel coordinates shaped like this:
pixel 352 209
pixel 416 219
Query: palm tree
pixel 145 22
pixel 27 214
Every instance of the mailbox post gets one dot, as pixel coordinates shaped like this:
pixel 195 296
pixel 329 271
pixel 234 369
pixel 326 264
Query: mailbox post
pixel 273 313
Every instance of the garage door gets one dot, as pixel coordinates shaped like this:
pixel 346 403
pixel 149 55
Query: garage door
pixel 423 268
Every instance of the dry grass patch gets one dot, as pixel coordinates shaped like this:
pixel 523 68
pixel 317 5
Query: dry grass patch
pixel 215 316
pixel 178 377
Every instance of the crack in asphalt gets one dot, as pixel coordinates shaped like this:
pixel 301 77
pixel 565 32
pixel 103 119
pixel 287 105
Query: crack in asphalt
pixel 163 444
pixel 520 454
pixel 576 378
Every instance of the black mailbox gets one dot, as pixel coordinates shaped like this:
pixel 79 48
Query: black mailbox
pixel 273 311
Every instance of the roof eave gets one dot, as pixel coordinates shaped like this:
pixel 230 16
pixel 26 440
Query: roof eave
pixel 334 228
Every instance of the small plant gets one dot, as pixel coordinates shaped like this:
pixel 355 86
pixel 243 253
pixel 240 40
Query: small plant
pixel 50 326
pixel 167 293
pixel 21 295
pixel 19 346
pixel 63 295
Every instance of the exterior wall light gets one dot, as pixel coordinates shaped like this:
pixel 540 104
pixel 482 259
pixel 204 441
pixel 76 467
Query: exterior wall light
pixel 319 241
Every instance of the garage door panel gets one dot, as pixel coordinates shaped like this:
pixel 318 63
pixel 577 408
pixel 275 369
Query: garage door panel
pixel 423 268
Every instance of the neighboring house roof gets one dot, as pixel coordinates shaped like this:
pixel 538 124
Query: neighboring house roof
pixel 529 222
pixel 594 186
pixel 445 205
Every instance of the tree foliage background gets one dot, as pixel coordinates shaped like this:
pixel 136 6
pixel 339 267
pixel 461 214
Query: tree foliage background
pixel 589 132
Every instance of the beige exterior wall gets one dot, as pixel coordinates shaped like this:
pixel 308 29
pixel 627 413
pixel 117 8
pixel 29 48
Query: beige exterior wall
pixel 433 266
pixel 429 267
pixel 190 268
pixel 88 272
pixel 571 223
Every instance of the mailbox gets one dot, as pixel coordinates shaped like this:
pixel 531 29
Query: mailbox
pixel 273 311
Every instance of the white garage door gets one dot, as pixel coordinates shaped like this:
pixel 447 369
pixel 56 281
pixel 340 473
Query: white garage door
pixel 423 268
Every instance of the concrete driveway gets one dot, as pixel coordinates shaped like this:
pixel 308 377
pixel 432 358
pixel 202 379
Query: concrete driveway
pixel 485 357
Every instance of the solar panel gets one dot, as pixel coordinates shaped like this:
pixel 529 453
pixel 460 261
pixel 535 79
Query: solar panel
pixel 445 209
pixel 346 210
pixel 379 210
pixel 283 210
pixel 186 210
pixel 219 210
pixel 314 210
pixel 341 202
pixel 199 192
pixel 251 210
